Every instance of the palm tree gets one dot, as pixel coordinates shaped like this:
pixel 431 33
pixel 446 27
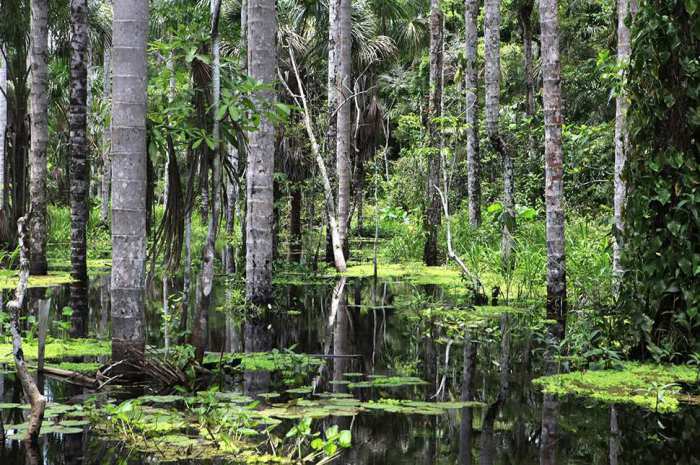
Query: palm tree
pixel 344 85
pixel 130 29
pixel 624 8
pixel 80 182
pixel 3 126
pixel 262 62
pixel 39 134
pixel 492 77
pixel 433 207
pixel 554 167
pixel 471 13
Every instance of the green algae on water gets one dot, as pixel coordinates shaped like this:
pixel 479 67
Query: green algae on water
pixel 9 279
pixel 59 348
pixel 650 386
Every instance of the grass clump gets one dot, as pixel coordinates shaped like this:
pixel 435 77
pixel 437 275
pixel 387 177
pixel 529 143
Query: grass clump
pixel 650 386
pixel 9 279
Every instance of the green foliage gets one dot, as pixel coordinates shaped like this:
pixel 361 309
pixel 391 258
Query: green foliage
pixel 661 286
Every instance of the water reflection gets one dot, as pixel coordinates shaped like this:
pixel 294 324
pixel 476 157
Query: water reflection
pixel 357 329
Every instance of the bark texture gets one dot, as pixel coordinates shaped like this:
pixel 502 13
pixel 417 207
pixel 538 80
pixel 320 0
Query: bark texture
pixel 3 128
pixel 80 182
pixel 431 218
pixel 471 13
pixel 129 160
pixel 624 9
pixel 201 322
pixel 106 159
pixel 39 135
pixel 333 51
pixel 344 117
pixel 492 73
pixel 554 166
pixel 262 61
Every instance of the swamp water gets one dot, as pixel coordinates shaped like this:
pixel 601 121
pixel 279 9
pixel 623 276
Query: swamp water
pixel 376 354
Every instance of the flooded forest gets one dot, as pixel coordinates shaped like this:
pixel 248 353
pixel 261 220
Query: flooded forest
pixel 359 232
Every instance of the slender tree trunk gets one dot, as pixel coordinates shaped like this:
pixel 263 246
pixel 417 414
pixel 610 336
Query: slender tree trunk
pixel 344 118
pixel 621 133
pixel 39 135
pixel 80 182
pixel 201 321
pixel 129 160
pixel 106 159
pixel 262 61
pixel 467 395
pixel 333 228
pixel 231 202
pixel 295 224
pixel 554 167
pixel 36 399
pixel 471 13
pixel 524 16
pixel 3 128
pixel 492 44
pixel 431 218
pixel 334 32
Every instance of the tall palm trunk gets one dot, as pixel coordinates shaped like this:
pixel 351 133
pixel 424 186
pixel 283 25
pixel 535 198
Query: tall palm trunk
pixel 130 29
pixel 554 167
pixel 106 160
pixel 492 75
pixel 262 60
pixel 39 135
pixel 79 182
pixel 431 220
pixel 334 31
pixel 344 118
pixel 3 128
pixel 624 8
pixel 524 17
pixel 201 321
pixel 471 13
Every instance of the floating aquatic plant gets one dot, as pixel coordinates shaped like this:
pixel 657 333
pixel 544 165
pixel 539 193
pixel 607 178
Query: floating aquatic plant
pixel 651 386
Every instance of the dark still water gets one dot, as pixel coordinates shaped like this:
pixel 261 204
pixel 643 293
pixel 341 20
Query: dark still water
pixel 378 329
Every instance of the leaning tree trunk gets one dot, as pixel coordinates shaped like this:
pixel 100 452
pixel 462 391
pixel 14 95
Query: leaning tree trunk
pixel 39 134
pixel 130 29
pixel 492 74
pixel 621 133
pixel 344 118
pixel 554 167
pixel 106 160
pixel 36 399
pixel 262 62
pixel 471 13
pixel 431 219
pixel 79 183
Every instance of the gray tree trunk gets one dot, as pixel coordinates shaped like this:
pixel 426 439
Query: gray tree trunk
pixel 554 166
pixel 106 160
pixel 344 117
pixel 201 321
pixel 492 74
pixel 334 31
pixel 471 13
pixel 39 135
pixel 624 8
pixel 262 62
pixel 79 178
pixel 129 35
pixel 3 128
pixel 431 220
